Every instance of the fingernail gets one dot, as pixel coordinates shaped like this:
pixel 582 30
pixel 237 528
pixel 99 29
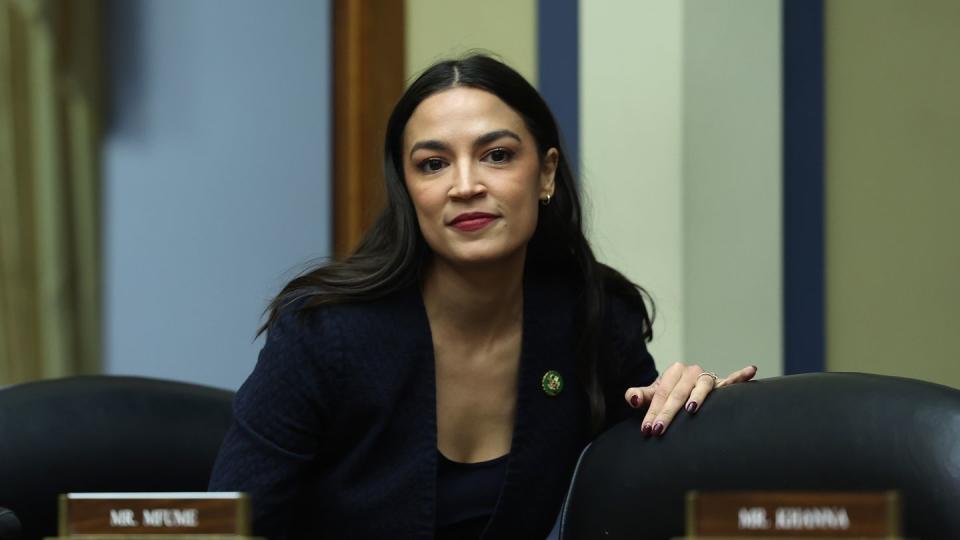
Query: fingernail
pixel 754 367
pixel 645 429
pixel 692 407
pixel 634 401
pixel 658 428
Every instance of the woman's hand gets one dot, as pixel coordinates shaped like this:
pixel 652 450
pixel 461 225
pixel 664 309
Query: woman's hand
pixel 678 386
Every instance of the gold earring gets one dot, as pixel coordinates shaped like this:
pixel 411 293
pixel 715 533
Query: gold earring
pixel 546 200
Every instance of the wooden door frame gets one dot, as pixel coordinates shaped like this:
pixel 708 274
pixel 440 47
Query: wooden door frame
pixel 368 78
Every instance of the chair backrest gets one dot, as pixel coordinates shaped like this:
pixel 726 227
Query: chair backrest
pixel 104 434
pixel 814 432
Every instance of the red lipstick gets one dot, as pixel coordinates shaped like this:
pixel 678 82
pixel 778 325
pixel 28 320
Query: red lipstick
pixel 472 221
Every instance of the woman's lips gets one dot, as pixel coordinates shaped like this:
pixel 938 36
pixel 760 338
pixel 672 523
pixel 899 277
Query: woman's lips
pixel 473 221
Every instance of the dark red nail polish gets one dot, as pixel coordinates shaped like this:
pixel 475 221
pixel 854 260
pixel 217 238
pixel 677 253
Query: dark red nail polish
pixel 645 429
pixel 658 429
pixel 634 401
pixel 692 407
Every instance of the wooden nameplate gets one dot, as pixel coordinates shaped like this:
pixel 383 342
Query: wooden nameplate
pixel 796 514
pixel 154 515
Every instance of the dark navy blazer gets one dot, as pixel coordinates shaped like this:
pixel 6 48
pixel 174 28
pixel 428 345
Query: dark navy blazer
pixel 335 432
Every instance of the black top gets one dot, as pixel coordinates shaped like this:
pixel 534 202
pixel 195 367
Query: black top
pixel 466 496
pixel 335 432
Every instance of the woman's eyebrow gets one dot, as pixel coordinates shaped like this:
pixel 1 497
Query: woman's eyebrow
pixel 438 146
pixel 486 138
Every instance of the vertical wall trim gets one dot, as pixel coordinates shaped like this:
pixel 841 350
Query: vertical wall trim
pixel 368 78
pixel 803 186
pixel 558 44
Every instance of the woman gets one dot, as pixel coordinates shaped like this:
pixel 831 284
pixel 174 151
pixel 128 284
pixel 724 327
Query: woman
pixel 441 382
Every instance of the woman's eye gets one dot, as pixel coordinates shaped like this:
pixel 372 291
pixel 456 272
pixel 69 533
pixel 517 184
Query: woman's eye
pixel 431 165
pixel 500 155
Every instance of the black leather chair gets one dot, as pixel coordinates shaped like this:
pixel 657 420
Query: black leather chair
pixel 104 434
pixel 819 432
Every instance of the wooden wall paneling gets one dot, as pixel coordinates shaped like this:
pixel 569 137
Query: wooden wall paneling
pixel 368 79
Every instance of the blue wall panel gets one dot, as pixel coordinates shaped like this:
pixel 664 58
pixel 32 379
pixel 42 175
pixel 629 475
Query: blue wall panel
pixel 803 186
pixel 217 182
pixel 558 51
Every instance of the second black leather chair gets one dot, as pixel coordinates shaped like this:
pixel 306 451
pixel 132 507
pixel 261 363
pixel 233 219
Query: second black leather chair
pixel 816 432
pixel 104 434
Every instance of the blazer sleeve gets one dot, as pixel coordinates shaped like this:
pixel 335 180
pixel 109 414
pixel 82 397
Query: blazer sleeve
pixel 628 362
pixel 280 414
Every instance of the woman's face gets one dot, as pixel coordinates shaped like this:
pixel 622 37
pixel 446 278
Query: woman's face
pixel 474 174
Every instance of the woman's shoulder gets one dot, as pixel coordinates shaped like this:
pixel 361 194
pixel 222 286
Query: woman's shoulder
pixel 622 299
pixel 318 325
pixel 626 331
pixel 627 313
pixel 623 296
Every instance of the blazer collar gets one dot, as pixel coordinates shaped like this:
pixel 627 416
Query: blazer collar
pixel 542 424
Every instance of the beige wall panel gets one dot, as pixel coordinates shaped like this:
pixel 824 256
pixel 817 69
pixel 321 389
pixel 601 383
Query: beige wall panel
pixel 631 121
pixel 893 188
pixel 680 116
pixel 732 193
pixel 440 29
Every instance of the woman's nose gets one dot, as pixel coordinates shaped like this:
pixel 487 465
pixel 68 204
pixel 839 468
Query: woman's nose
pixel 467 183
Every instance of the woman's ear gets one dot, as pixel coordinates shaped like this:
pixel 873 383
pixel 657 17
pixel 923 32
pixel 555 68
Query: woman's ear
pixel 548 171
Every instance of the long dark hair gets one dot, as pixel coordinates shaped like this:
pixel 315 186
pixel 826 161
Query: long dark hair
pixel 391 255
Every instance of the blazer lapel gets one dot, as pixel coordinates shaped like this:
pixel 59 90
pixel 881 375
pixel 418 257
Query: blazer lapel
pixel 549 431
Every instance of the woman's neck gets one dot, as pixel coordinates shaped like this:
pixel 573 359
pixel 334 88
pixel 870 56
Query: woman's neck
pixel 474 301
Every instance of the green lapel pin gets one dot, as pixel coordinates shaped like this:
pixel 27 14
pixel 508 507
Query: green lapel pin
pixel 552 383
